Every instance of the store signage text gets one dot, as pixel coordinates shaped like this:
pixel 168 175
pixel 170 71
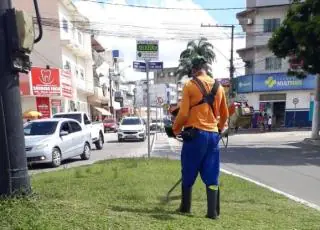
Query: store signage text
pixel 271 82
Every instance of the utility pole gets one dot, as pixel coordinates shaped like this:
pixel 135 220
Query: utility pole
pixel 231 68
pixel 111 93
pixel 14 178
pixel 148 108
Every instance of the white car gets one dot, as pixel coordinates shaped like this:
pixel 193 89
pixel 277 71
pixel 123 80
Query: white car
pixel 132 128
pixel 96 129
pixel 54 140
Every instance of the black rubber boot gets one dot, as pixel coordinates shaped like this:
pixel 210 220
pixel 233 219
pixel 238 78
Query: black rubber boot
pixel 185 206
pixel 218 202
pixel 213 209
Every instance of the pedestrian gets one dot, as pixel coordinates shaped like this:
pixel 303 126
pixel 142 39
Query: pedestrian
pixel 201 122
pixel 260 122
pixel 269 123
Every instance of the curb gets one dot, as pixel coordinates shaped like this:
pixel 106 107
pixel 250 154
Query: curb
pixel 309 141
pixel 153 143
pixel 291 197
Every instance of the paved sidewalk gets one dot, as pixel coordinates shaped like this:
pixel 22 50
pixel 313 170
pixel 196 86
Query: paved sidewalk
pixel 165 147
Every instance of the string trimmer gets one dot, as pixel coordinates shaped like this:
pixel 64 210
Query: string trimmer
pixel 223 135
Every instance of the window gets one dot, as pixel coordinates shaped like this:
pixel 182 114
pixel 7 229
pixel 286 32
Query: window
pixel 40 128
pixel 80 38
pixel 131 121
pixel 65 25
pixel 75 116
pixel 75 127
pixel 86 119
pixel 270 25
pixel 272 97
pixel 67 65
pixel 273 63
pixel 81 74
pixel 65 127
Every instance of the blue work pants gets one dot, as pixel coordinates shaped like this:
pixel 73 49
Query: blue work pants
pixel 201 155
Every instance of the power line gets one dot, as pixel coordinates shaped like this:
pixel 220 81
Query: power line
pixel 165 8
pixel 169 31
pixel 178 8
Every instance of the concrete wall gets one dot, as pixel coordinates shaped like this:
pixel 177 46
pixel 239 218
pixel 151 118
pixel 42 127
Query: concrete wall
pixel 47 51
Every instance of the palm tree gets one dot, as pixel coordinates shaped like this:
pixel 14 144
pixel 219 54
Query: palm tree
pixel 195 48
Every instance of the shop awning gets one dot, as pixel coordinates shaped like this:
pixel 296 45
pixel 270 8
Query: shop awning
pixel 103 111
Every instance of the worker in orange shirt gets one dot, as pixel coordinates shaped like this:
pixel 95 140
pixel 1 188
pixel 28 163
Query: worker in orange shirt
pixel 200 151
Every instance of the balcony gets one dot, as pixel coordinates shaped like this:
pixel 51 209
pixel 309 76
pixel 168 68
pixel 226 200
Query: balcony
pixel 85 86
pixel 98 96
pixel 74 41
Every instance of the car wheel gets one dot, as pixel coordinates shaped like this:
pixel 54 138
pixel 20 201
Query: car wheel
pixel 56 158
pixel 99 143
pixel 86 152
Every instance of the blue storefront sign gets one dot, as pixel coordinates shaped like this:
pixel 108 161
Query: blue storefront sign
pixel 115 53
pixel 244 84
pixel 273 82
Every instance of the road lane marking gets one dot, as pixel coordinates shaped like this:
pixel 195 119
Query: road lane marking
pixel 294 198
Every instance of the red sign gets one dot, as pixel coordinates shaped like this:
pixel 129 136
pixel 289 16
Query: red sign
pixel 43 106
pixel 124 110
pixel 56 103
pixel 66 83
pixel 24 81
pixel 45 82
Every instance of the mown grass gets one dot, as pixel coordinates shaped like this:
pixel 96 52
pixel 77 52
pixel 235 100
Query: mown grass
pixel 126 194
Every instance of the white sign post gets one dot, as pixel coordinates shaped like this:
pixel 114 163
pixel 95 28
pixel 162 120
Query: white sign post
pixel 148 50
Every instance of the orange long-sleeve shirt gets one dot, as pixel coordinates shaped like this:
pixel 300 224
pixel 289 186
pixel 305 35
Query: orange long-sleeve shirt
pixel 201 116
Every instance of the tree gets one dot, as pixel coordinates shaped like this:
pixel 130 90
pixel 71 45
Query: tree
pixel 195 48
pixel 298 38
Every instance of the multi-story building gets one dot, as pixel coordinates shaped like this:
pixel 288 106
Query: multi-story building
pixel 266 85
pixel 62 76
pixel 168 76
pixel 100 100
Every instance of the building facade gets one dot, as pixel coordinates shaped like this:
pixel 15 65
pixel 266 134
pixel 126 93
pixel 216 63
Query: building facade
pixel 61 78
pixel 266 85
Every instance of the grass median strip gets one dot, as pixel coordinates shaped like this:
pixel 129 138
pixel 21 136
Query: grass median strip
pixel 126 194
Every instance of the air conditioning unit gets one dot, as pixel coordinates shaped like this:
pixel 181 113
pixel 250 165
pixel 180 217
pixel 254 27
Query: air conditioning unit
pixel 249 21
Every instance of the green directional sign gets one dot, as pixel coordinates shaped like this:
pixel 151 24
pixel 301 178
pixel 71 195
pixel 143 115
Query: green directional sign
pixel 148 50
pixel 147 47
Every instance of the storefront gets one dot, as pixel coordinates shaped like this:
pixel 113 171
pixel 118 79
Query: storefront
pixel 45 90
pixel 285 98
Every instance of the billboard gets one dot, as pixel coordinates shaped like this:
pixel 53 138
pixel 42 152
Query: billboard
pixel 45 82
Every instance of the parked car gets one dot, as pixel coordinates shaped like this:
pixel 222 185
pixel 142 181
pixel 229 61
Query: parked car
pixel 156 125
pixel 132 128
pixel 54 140
pixel 110 125
pixel 96 129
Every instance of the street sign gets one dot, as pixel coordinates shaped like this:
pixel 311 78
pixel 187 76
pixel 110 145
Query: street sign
pixel 295 101
pixel 148 50
pixel 159 100
pixel 140 66
pixel 153 66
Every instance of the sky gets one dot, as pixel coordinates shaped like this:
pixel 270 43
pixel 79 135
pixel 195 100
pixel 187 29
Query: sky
pixel 121 26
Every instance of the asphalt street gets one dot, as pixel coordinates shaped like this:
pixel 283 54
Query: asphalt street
pixel 279 160
pixel 111 149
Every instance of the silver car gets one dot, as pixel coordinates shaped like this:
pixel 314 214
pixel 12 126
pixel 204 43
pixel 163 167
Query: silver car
pixel 54 140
